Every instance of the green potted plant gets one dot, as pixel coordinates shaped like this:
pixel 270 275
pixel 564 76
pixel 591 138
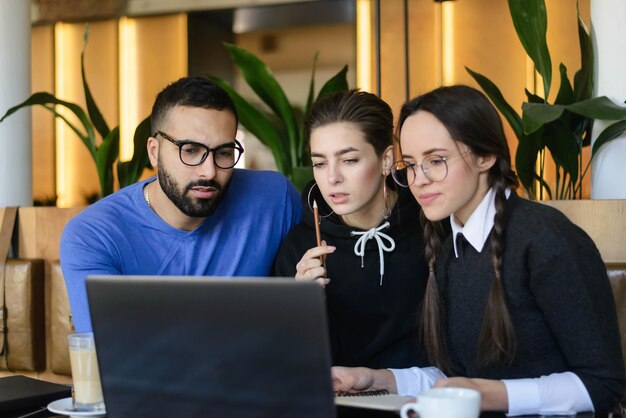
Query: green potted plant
pixel 284 135
pixel 105 155
pixel 562 127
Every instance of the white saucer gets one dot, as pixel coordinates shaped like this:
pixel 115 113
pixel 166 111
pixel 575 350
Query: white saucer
pixel 64 407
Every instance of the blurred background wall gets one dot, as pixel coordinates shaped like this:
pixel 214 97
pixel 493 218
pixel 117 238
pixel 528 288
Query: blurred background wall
pixel 136 47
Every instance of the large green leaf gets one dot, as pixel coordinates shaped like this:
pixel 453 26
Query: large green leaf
pixel 94 113
pixel 307 109
pixel 526 159
pixel 259 77
pixel 69 123
pixel 106 155
pixel 128 172
pixel 599 108
pixel 533 98
pixel 531 24
pixel 498 100
pixel 535 115
pixel 563 146
pixel 259 126
pixel 583 80
pixel 608 134
pixel 565 94
pixel 338 82
pixel 44 99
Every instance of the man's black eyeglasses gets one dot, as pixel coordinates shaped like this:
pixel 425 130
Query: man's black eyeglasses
pixel 192 153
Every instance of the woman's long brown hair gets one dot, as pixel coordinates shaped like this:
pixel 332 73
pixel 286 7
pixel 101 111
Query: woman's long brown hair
pixel 470 119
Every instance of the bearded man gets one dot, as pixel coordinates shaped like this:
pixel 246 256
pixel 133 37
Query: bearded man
pixel 198 216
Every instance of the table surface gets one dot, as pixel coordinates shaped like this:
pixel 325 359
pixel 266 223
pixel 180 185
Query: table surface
pixel 363 413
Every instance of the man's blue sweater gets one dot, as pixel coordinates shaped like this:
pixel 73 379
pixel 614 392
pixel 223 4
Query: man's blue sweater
pixel 120 234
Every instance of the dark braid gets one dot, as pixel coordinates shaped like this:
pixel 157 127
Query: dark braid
pixel 433 315
pixel 497 341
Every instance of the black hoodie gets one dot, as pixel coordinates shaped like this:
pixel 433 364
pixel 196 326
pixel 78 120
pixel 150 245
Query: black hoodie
pixel 370 324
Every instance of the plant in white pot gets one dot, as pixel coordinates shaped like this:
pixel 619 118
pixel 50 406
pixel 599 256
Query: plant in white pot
pixel 562 128
pixel 85 125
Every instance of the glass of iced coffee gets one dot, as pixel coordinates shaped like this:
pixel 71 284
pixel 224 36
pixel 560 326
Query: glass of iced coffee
pixel 85 373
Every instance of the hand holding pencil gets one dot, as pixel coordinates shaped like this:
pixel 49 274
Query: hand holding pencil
pixel 312 266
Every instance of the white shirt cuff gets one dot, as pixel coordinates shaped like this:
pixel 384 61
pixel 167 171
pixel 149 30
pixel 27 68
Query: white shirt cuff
pixel 556 394
pixel 411 382
pixel 523 395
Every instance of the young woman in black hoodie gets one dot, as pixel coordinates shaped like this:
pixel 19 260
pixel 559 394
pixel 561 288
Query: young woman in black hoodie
pixel 374 268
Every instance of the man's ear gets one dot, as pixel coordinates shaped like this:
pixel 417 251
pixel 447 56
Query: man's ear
pixel 485 162
pixel 153 150
pixel 387 160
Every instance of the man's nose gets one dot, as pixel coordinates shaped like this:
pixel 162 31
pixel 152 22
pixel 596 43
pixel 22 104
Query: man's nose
pixel 207 169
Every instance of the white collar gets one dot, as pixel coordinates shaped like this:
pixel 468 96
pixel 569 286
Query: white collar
pixel 477 228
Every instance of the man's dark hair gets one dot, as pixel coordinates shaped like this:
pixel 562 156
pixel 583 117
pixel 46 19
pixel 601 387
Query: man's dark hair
pixel 193 92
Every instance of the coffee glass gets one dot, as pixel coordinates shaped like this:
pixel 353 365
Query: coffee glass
pixel 85 373
pixel 445 403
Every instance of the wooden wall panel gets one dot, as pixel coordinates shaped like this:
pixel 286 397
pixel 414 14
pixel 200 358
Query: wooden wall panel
pixel 603 220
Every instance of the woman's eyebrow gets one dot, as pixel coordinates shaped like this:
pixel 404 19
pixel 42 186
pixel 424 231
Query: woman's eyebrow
pixel 337 154
pixel 345 151
pixel 434 150
pixel 427 152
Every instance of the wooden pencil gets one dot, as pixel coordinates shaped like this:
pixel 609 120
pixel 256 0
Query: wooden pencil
pixel 316 220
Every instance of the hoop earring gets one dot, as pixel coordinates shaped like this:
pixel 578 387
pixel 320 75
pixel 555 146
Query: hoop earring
pixel 308 201
pixel 387 210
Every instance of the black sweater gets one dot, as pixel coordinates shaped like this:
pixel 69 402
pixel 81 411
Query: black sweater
pixel 558 295
pixel 369 324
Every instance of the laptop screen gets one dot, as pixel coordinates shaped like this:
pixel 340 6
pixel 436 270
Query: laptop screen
pixel 215 347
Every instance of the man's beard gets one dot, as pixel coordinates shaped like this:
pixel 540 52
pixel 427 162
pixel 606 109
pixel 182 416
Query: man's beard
pixel 190 206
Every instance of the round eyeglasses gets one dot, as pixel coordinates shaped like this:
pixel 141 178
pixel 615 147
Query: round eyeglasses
pixel 192 153
pixel 434 167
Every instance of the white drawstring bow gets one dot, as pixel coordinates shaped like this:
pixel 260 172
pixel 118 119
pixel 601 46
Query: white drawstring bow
pixel 359 247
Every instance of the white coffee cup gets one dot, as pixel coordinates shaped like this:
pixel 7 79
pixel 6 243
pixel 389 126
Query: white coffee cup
pixel 85 373
pixel 445 403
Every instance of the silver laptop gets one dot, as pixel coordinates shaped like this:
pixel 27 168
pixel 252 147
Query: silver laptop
pixel 211 347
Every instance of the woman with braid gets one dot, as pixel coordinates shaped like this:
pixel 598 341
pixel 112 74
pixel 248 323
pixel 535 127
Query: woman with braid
pixel 518 304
